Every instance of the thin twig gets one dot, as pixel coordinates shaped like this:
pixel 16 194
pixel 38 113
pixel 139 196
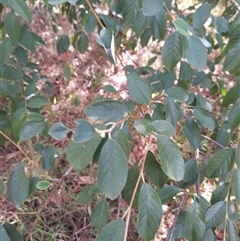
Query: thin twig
pixel 215 142
pixel 176 218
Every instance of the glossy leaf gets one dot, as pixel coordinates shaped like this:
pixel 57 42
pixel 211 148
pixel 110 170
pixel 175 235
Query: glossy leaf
pixel 150 212
pixel 139 89
pixel 154 171
pixel 3 234
pixel 100 214
pixel 171 159
pixel 201 15
pixel 79 155
pixel 231 62
pixel 130 185
pixel 220 163
pixel 177 93
pixel 195 224
pixel 167 192
pixel 58 131
pixel 37 101
pixel 21 8
pixel 106 110
pixel 47 154
pixel 18 185
pixel 215 214
pixel 112 169
pixel 236 185
pixel 163 127
pixel 205 118
pixel 107 39
pixel 196 53
pixel 172 51
pixel 112 231
pixel 234 116
pixel 192 132
pixel 84 131
pixel 12 232
pixel 158 25
pixel 143 126
pixel 43 185
pixel 63 44
pixel 151 7
pixel 181 26
pixel 174 112
pixel 12 27
pixel 30 129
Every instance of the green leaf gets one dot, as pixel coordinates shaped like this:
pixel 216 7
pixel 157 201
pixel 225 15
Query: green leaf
pixel 220 163
pixel 84 197
pixel 47 154
pixel 234 116
pixel 18 185
pixel 140 23
pixel 84 131
pixel 21 55
pixel 82 43
pixel 55 2
pixel 37 101
pixel 122 140
pixel 167 192
pixel 130 185
pixel 30 129
pixel 107 39
pixel 89 22
pixel 231 96
pixel 12 27
pixel 67 72
pixel 177 93
pixel 208 236
pixel 236 186
pixel 106 111
pixel 158 25
pixel 150 212
pixel 195 224
pixel 163 127
pixel 58 131
pixel 154 171
pixel 111 23
pixel 205 119
pixel 43 185
pixel 143 126
pixel 232 60
pixel 139 89
pixel 145 37
pixel 12 232
pixel 192 132
pixel 151 7
pixel 220 193
pixel 129 11
pixel 6 49
pixel 5 123
pixel 113 231
pixel 80 154
pixel 100 214
pixel 26 39
pixel 109 89
pixel 181 26
pixel 191 170
pixel 21 8
pixel 196 53
pixel 172 51
pixel 112 169
pixel 186 72
pixel 63 44
pixel 215 214
pixel 174 111
pixel 171 159
pixel 238 153
pixel 32 185
pixel 201 15
pixel 3 234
